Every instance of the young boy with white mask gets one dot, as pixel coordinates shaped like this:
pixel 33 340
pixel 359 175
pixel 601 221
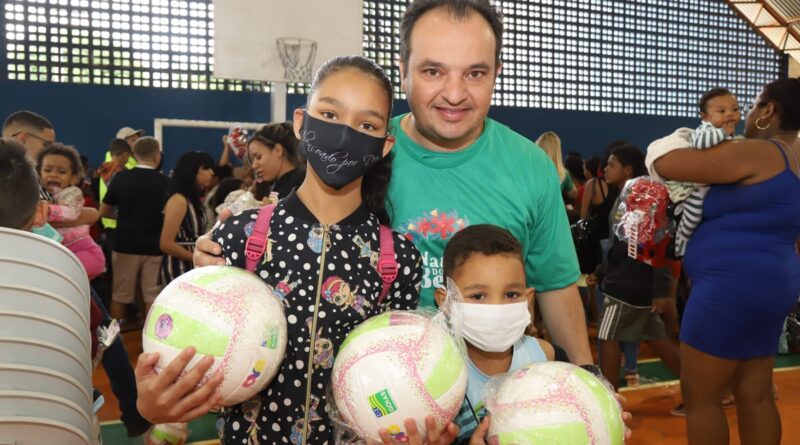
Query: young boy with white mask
pixel 483 263
pixel 487 301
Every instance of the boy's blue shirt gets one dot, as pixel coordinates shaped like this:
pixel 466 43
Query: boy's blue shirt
pixel 526 351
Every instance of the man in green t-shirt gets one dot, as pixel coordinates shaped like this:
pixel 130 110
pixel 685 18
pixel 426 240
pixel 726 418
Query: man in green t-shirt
pixel 455 167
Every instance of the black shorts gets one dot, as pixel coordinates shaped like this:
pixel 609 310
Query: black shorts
pixel 624 322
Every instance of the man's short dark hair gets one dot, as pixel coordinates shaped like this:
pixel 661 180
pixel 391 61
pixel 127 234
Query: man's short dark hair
pixel 119 146
pixel 19 185
pixel 711 94
pixel 459 10
pixel 29 119
pixel 481 238
pixel 145 148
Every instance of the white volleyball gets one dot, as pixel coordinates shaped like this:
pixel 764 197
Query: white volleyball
pixel 227 313
pixel 395 366
pixel 167 434
pixel 553 402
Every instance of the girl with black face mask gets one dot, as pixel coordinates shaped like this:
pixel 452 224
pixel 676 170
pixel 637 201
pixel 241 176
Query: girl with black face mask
pixel 321 257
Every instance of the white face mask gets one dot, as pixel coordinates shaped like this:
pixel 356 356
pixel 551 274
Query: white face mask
pixel 492 327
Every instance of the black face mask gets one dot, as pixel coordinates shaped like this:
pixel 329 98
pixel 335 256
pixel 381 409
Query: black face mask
pixel 338 154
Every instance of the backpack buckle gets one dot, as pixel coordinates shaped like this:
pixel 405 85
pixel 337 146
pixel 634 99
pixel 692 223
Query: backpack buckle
pixel 388 269
pixel 254 248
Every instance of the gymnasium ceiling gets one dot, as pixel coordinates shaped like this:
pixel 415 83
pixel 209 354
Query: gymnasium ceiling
pixel 777 20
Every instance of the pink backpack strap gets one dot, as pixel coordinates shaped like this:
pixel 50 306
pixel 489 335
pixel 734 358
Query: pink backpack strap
pixel 257 242
pixel 387 265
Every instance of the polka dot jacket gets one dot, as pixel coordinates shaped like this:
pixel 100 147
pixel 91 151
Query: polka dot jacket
pixel 299 249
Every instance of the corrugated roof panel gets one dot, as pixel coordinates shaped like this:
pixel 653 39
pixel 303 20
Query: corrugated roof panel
pixel 777 20
pixel 766 19
pixel 749 10
pixel 788 9
pixel 776 35
pixel 792 43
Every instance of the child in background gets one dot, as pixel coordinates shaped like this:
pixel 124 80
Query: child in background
pixel 485 264
pixel 120 154
pixel 59 169
pixel 635 294
pixel 720 113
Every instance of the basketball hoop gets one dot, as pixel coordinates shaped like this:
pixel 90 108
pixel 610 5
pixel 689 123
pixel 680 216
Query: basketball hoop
pixel 297 56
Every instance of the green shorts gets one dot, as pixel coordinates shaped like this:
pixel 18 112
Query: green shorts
pixel 624 322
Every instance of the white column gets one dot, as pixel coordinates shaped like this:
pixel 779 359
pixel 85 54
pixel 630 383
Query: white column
pixel 278 102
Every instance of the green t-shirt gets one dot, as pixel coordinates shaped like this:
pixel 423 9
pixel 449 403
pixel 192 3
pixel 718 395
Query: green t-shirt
pixel 502 179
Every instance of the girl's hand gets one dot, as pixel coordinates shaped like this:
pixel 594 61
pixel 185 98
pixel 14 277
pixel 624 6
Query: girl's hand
pixel 479 436
pixel 444 436
pixel 206 252
pixel 164 399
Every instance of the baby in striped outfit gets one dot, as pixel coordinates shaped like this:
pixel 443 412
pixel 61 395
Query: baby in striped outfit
pixel 720 113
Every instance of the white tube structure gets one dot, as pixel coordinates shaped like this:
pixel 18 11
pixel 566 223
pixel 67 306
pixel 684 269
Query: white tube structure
pixel 159 124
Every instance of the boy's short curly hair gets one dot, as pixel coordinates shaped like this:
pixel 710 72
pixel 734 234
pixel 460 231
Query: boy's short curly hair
pixel 481 238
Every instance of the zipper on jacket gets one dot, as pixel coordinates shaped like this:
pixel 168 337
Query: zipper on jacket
pixel 310 364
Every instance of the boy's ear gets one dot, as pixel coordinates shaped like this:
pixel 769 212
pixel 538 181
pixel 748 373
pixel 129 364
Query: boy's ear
pixel 39 217
pixel 530 293
pixel 440 295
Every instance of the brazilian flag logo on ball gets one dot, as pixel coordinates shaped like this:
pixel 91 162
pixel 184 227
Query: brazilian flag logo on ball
pixel 382 404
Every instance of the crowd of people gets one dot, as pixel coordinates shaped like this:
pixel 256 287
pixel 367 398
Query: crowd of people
pixel 470 201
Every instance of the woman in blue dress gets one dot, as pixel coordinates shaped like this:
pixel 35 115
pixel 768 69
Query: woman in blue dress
pixel 744 266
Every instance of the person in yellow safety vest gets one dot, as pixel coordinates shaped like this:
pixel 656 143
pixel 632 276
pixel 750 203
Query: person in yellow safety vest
pixel 119 154
pixel 131 136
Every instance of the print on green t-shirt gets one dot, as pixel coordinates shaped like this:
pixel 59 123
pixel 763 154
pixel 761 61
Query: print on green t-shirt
pixel 502 179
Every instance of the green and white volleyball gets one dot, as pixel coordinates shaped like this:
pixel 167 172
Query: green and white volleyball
pixel 227 313
pixel 395 366
pixel 167 434
pixel 552 403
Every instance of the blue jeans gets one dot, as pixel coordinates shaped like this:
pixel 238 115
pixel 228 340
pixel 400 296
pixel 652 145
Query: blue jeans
pixel 629 349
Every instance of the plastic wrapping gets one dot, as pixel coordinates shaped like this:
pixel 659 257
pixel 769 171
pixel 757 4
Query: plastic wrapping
pixel 237 140
pixel 552 403
pixel 227 313
pixel 643 220
pixel 392 367
pixel 167 434
pixel 241 200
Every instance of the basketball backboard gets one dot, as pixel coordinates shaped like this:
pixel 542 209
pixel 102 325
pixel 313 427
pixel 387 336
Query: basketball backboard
pixel 246 32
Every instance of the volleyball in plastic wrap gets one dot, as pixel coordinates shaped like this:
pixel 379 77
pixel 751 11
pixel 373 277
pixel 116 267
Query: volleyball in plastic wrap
pixel 227 313
pixel 237 140
pixel 644 220
pixel 552 403
pixel 167 434
pixel 395 366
